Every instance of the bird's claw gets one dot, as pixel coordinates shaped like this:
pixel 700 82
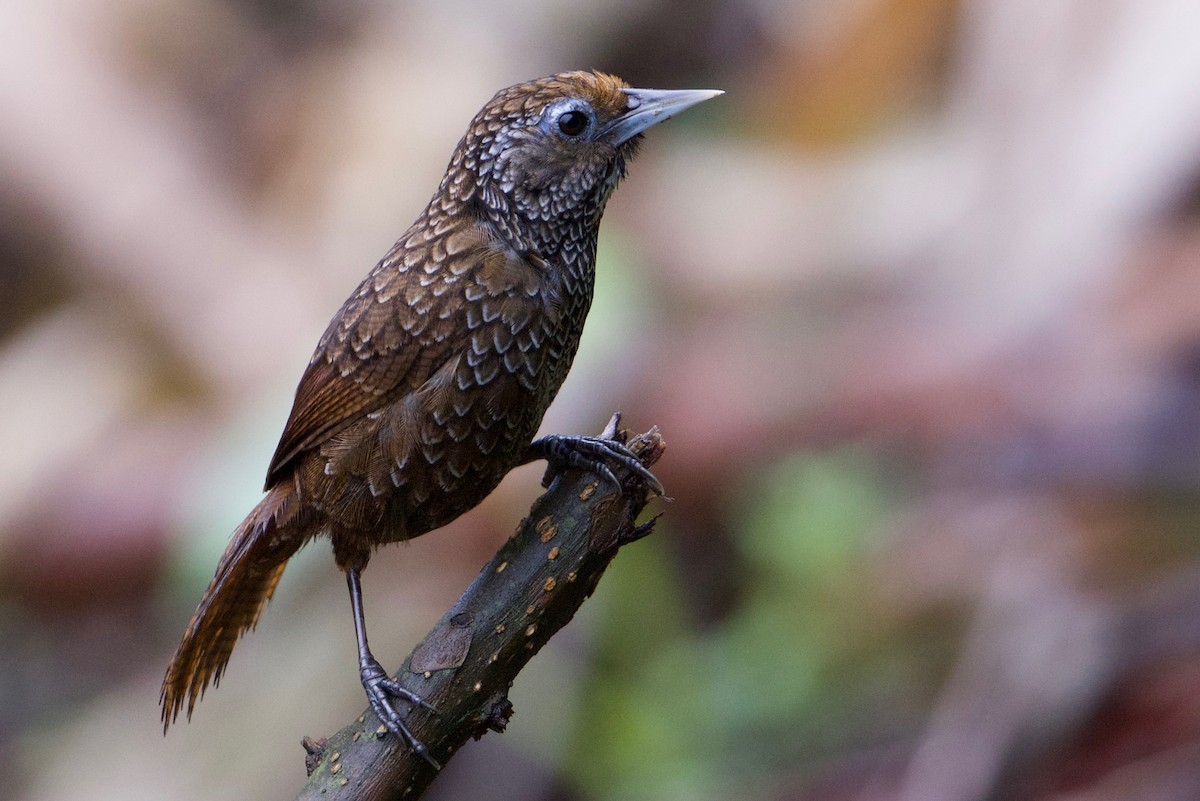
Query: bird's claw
pixel 380 692
pixel 397 690
pixel 591 454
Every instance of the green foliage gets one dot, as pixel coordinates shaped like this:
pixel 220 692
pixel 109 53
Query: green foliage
pixel 673 712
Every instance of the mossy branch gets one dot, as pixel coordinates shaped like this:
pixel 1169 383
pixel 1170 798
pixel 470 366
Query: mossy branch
pixel 465 666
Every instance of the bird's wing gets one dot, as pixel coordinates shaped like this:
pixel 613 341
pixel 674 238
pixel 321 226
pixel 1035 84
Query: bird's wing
pixel 403 323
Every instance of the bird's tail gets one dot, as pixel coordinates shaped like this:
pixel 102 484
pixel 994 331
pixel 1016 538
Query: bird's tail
pixel 246 577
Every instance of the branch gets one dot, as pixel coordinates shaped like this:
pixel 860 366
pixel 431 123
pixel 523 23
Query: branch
pixel 465 666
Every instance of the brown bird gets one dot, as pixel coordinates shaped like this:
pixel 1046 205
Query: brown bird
pixel 431 380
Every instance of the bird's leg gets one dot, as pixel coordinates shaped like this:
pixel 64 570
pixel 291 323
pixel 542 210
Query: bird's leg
pixel 593 454
pixel 381 689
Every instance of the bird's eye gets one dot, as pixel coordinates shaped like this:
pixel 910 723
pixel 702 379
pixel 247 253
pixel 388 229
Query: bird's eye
pixel 572 123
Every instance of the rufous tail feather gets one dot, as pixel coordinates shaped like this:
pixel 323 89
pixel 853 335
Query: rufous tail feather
pixel 246 578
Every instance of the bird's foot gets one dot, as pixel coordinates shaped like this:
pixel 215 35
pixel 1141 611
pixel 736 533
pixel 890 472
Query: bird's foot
pixel 593 454
pixel 381 691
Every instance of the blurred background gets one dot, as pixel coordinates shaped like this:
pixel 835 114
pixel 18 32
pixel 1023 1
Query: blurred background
pixel 915 304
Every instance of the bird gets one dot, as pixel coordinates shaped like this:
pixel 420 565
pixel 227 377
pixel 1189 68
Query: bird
pixel 431 380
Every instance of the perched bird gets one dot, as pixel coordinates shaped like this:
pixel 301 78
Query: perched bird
pixel 432 379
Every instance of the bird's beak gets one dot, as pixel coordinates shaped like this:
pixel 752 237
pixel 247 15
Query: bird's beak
pixel 649 107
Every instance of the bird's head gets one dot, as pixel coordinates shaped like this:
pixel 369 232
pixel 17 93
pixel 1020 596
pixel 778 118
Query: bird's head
pixel 553 150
